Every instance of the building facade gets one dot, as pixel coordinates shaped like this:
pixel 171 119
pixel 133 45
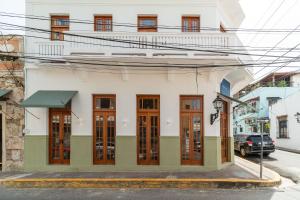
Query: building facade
pixel 246 117
pixel 12 120
pixel 285 122
pixel 130 86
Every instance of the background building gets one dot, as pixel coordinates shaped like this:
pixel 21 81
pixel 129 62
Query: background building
pixel 285 122
pixel 259 97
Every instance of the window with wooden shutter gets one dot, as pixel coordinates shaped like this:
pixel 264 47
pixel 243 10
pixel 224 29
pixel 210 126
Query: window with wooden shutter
pixel 59 24
pixel 190 24
pixel 103 23
pixel 147 23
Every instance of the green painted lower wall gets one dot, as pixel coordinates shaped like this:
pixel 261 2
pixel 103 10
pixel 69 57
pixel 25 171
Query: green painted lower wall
pixel 36 155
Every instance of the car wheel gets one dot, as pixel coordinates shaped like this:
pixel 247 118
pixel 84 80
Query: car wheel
pixel 266 154
pixel 243 152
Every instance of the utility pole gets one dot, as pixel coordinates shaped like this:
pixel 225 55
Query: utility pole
pixel 262 122
pixel 261 149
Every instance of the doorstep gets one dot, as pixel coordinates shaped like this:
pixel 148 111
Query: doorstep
pixel 233 176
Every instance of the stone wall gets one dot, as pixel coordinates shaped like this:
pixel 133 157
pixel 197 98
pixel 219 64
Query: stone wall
pixel 13 115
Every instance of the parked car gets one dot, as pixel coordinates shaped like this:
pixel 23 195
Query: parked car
pixel 251 144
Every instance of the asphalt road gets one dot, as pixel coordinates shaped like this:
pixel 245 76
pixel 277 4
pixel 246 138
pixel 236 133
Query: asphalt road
pixel 285 163
pixel 290 193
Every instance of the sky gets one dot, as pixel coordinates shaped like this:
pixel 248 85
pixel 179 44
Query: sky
pixel 259 14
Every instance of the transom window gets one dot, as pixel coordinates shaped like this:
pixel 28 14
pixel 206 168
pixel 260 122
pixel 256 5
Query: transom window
pixel 147 103
pixel 191 104
pixel 59 24
pixel 147 23
pixel 190 24
pixel 282 127
pixel 103 23
pixel 105 103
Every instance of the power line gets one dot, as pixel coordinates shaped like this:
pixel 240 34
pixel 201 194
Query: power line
pixel 278 44
pixel 270 17
pixel 143 43
pixel 58 61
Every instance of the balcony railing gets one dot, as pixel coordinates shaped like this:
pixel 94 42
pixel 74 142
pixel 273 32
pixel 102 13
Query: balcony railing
pixel 139 44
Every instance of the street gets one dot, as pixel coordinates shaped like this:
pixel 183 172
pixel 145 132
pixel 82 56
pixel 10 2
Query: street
pixel 285 163
pixel 290 193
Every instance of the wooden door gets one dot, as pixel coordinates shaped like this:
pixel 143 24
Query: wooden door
pixel 191 133
pixel 59 136
pixel 148 130
pixel 104 129
pixel 224 123
pixel 104 138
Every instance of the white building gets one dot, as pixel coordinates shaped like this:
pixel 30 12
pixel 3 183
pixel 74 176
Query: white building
pixel 127 82
pixel 285 122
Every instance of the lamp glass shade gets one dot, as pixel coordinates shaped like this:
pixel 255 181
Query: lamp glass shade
pixel 218 103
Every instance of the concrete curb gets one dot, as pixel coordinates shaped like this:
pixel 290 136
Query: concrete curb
pixel 268 174
pixel 288 150
pixel 136 183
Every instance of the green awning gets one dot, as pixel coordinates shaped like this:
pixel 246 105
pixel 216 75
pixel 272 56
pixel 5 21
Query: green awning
pixel 49 99
pixel 4 92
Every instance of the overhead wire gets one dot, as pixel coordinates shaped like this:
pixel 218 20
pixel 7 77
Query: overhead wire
pixel 144 43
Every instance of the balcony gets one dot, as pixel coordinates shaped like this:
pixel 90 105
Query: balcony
pixel 138 44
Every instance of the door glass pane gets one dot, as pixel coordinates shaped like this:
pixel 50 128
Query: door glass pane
pixel 197 136
pixel 55 138
pixel 99 137
pixel 110 152
pixel 154 138
pixel 67 135
pixel 185 138
pixel 142 137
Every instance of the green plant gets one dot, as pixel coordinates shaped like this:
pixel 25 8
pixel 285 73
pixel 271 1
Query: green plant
pixel 282 83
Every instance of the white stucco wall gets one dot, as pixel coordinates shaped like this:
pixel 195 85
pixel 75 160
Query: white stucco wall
pixel 288 106
pixel 169 13
pixel 295 80
pixel 88 83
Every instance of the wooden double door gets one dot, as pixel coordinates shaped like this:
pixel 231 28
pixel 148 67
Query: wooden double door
pixel 59 136
pixel 191 130
pixel 148 129
pixel 224 123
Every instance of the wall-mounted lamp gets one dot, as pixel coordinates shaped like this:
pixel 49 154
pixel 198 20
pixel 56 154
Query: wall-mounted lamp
pixel 297 115
pixel 218 105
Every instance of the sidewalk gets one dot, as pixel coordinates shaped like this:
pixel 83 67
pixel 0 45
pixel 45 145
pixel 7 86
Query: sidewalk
pixel 243 174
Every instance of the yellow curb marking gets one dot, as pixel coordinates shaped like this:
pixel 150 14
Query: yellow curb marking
pixel 230 180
